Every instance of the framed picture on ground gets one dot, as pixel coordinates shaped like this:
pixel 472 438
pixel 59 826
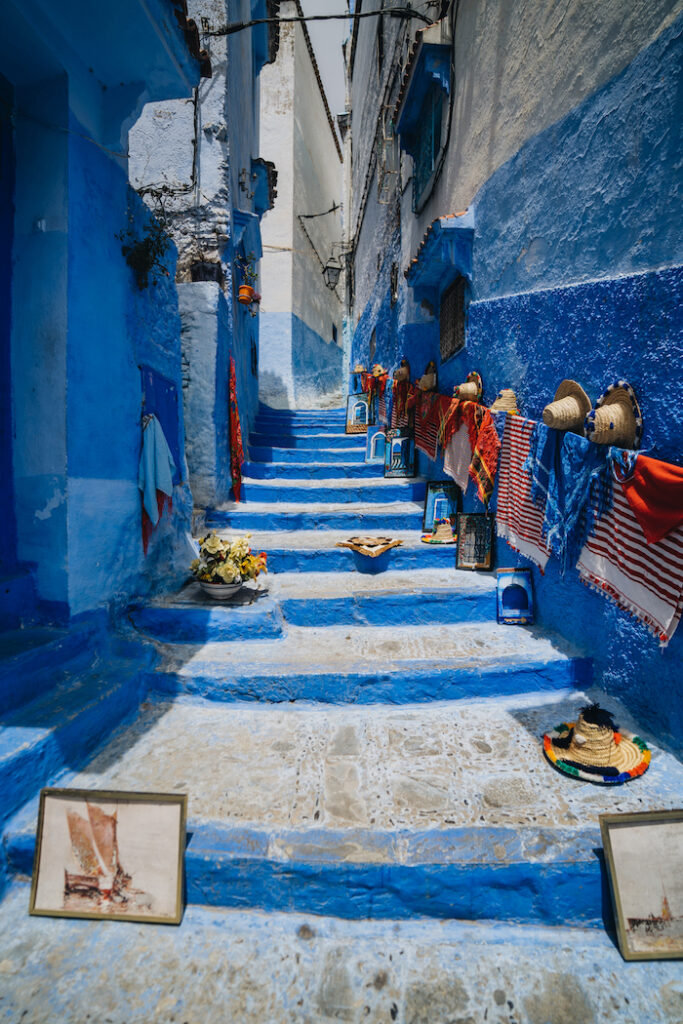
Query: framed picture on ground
pixel 357 414
pixel 644 855
pixel 514 597
pixel 376 440
pixel 110 855
pixel 475 540
pixel 442 501
pixel 399 453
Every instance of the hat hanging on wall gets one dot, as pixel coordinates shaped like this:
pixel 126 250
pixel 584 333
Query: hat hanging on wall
pixel 358 368
pixel 506 402
pixel 403 372
pixel 594 750
pixel 378 370
pixel 471 390
pixel 569 408
pixel 427 381
pixel 616 418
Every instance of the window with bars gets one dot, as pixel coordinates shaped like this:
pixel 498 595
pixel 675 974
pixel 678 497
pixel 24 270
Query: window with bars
pixel 452 319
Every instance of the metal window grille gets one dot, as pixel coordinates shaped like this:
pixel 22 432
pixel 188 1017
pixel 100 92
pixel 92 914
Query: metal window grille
pixel 452 319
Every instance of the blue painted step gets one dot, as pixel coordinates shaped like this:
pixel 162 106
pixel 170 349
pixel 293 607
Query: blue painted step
pixel 259 453
pixel 31 660
pixel 287 559
pixel 344 492
pixel 312 471
pixel 191 617
pixel 299 429
pixel 60 729
pixel 377 609
pixel 312 442
pixel 354 520
pixel 302 415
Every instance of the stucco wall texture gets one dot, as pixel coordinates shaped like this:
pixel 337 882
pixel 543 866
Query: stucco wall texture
pixel 576 191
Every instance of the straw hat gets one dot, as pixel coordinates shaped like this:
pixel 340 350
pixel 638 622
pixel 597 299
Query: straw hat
pixel 594 750
pixel 378 370
pixel 616 418
pixel 359 368
pixel 370 546
pixel 569 408
pixel 471 390
pixel 403 372
pixel 506 402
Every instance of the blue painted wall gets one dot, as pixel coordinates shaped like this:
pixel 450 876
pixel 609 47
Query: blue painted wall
pixel 301 366
pixel 577 273
pixel 8 533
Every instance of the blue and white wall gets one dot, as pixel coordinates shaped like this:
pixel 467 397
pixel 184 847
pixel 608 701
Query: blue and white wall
pixel 78 328
pixel 301 359
pixel 566 146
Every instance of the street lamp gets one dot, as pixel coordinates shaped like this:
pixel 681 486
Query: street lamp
pixel 332 272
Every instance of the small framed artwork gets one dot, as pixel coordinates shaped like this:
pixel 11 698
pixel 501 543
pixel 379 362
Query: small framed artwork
pixel 399 453
pixel 644 855
pixel 442 501
pixel 110 855
pixel 475 540
pixel 515 597
pixel 357 413
pixel 376 442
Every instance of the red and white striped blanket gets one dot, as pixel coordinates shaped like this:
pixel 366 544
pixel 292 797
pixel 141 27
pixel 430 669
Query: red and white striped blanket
pixel 518 520
pixel 644 579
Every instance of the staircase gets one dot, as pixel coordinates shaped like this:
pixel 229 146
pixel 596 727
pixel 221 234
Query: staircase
pixel 360 746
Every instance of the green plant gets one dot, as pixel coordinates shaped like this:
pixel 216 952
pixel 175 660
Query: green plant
pixel 144 254
pixel 227 561
pixel 245 265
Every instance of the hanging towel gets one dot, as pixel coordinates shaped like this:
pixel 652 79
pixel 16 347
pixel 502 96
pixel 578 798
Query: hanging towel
pixel 568 481
pixel 399 399
pixel 458 456
pixel 236 449
pixel 431 409
pixel 485 449
pixel 643 579
pixel 155 472
pixel 518 520
pixel 654 490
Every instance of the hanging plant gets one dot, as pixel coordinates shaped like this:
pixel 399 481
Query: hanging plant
pixel 144 253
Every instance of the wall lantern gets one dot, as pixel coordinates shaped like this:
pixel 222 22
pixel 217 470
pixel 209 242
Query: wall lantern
pixel 332 272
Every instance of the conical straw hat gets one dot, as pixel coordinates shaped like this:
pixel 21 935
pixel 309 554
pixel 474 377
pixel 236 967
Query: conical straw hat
pixel 359 368
pixel 506 402
pixel 616 418
pixel 569 408
pixel 471 390
pixel 594 750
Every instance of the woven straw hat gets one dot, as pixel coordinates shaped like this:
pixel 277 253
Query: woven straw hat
pixel 471 390
pixel 359 368
pixel 616 418
pixel 506 402
pixel 569 408
pixel 378 370
pixel 594 750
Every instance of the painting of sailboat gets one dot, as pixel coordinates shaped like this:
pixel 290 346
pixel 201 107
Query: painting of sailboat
pixel 648 904
pixel 114 855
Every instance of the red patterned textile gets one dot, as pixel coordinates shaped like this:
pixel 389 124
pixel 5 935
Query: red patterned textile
pixel 236 449
pixel 148 527
pixel 518 520
pixel 485 449
pixel 654 490
pixel 427 422
pixel 400 390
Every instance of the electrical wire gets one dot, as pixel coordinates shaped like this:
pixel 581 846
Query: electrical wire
pixel 392 12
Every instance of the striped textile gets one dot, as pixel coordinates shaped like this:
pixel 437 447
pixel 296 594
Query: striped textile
pixel 643 579
pixel 518 520
pixel 382 408
pixel 430 410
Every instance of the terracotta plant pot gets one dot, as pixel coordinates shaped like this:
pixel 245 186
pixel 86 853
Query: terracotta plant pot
pixel 246 294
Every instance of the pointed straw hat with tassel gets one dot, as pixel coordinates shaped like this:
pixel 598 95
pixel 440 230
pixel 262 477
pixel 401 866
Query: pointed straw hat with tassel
pixel 569 408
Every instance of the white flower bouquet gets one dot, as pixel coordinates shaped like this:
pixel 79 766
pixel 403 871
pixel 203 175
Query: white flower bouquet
pixel 227 561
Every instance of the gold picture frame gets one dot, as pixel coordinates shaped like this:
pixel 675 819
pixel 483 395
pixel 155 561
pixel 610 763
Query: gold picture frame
pixel 109 855
pixel 644 856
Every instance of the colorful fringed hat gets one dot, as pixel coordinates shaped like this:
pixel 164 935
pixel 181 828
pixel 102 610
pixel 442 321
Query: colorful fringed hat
pixel 569 408
pixel 471 390
pixel 358 368
pixel 616 418
pixel 593 749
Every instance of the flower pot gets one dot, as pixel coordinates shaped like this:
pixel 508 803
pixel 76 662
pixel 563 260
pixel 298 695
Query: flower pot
pixel 220 591
pixel 246 294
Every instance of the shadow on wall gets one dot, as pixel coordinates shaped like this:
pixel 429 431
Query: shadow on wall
pixel 273 390
pixel 316 367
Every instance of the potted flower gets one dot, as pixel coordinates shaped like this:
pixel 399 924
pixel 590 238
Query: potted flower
pixel 224 565
pixel 245 265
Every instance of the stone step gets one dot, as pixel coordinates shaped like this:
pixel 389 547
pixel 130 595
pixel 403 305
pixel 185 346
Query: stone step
pixel 373 665
pixel 339 491
pixel 285 967
pixel 351 518
pixel 278 455
pixel 446 811
pixel 299 429
pixel 312 442
pixel 337 415
pixel 303 551
pixel 312 470
pixel 60 729
pixel 191 616
pixel 32 660
pixel 414 597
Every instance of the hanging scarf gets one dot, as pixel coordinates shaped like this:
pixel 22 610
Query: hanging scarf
pixel 485 449
pixel 653 489
pixel 236 449
pixel 568 475
pixel 399 395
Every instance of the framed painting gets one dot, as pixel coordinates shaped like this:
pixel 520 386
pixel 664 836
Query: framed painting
pixel 110 855
pixel 514 597
pixel 357 413
pixel 475 540
pixel 399 453
pixel 376 441
pixel 442 501
pixel 644 855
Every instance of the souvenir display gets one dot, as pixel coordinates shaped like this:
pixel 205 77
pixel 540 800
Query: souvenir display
pixel 403 371
pixel 357 413
pixel 506 402
pixel 514 597
pixel 399 453
pixel 442 502
pixel 475 540
pixel 428 380
pixel 569 408
pixel 376 441
pixel 616 418
pixel 442 533
pixel 370 554
pixel 595 750
pixel 471 390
